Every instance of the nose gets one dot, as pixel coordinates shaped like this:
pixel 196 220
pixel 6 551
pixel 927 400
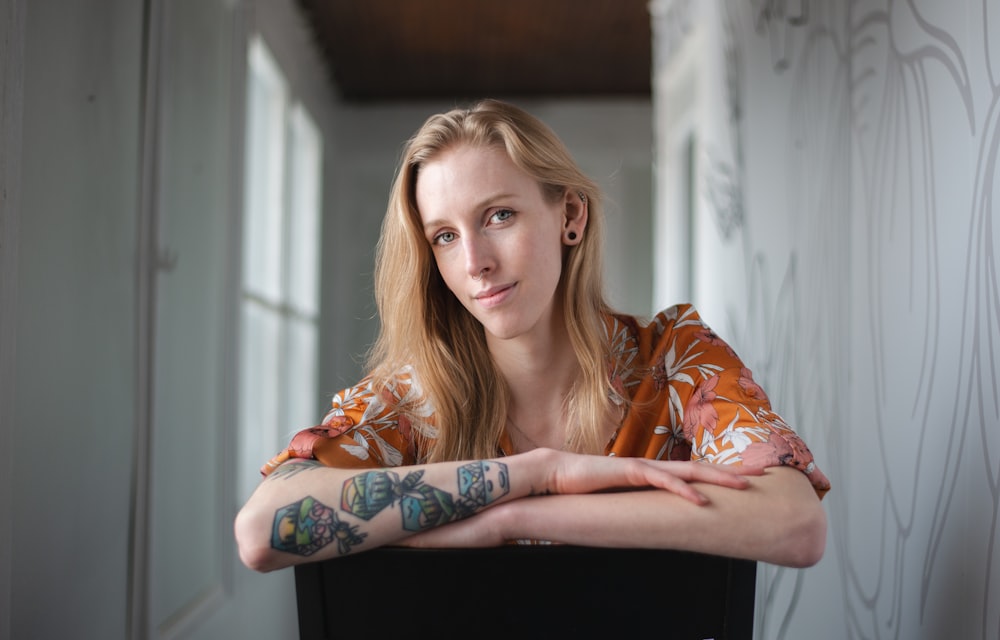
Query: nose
pixel 478 256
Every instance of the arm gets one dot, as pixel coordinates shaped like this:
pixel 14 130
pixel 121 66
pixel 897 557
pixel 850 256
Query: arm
pixel 778 519
pixel 304 511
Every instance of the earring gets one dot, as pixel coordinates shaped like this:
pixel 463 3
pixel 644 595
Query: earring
pixel 571 235
pixel 583 196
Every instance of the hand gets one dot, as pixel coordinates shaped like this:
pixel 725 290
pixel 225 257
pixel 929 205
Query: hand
pixel 577 473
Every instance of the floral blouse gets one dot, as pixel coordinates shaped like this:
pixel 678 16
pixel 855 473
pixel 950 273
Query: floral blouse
pixel 690 398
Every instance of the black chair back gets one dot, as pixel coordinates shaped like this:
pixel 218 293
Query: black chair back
pixel 550 591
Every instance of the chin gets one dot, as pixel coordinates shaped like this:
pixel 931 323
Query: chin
pixel 502 330
pixel 501 333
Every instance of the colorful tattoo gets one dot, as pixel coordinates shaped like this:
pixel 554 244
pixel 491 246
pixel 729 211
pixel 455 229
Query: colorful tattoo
pixel 306 526
pixel 483 481
pixel 423 506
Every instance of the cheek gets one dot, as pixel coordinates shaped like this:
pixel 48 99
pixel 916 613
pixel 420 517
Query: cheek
pixel 550 251
pixel 446 272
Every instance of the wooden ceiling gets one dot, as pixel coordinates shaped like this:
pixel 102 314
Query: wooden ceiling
pixel 394 50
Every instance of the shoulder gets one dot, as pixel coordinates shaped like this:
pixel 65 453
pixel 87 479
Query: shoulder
pixel 680 319
pixel 376 423
pixel 676 318
pixel 637 347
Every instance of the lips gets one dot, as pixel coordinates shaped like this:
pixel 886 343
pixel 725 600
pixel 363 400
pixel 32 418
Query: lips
pixel 494 295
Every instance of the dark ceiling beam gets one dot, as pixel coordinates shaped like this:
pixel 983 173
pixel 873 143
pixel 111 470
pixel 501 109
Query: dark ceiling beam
pixel 387 50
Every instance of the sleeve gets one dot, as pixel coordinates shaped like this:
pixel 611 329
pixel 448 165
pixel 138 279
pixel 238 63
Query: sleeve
pixel 362 429
pixel 725 416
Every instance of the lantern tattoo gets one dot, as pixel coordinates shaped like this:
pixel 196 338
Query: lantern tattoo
pixel 306 526
pixel 424 506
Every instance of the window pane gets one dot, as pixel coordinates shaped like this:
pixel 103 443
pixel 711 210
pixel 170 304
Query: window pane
pixel 267 98
pixel 259 387
pixel 305 154
pixel 282 205
pixel 302 405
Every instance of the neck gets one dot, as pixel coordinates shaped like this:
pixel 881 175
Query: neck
pixel 540 372
pixel 529 359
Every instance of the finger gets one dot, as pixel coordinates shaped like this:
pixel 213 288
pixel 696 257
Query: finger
pixel 716 474
pixel 640 474
pixel 725 475
pixel 671 478
pixel 682 488
pixel 589 473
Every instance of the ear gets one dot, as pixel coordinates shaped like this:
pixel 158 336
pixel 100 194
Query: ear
pixel 576 207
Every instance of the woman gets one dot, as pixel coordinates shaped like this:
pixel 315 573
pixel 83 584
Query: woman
pixel 507 401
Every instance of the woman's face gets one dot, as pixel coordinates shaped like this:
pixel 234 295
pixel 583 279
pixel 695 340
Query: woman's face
pixel 497 240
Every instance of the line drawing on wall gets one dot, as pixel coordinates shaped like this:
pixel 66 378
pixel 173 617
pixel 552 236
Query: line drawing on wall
pixel 796 334
pixel 866 294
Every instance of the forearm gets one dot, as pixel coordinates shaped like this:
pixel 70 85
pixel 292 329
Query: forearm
pixel 778 519
pixel 305 511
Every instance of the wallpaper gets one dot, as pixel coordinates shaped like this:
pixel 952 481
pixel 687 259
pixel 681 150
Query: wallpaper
pixel 844 242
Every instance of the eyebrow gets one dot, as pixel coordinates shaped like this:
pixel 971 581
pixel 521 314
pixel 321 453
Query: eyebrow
pixel 485 203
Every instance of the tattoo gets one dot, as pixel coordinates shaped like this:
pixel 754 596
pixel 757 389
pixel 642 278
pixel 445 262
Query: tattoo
pixel 293 467
pixel 306 526
pixel 483 481
pixel 423 506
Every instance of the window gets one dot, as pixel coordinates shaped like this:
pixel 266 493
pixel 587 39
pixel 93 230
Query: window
pixel 280 287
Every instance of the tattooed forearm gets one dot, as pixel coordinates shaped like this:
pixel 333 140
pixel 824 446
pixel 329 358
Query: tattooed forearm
pixel 483 481
pixel 424 506
pixel 306 526
pixel 294 467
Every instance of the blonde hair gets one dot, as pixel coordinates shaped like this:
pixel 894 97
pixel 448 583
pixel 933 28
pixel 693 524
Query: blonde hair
pixel 424 328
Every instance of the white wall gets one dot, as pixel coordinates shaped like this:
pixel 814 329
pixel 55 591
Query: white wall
pixel 860 284
pixel 74 407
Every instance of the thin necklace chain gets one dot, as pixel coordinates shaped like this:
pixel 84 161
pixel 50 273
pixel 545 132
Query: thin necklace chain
pixel 534 444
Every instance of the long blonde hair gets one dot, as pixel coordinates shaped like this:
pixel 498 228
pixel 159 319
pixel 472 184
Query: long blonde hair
pixel 426 330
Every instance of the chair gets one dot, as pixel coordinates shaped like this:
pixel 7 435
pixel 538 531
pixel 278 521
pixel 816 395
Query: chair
pixel 550 591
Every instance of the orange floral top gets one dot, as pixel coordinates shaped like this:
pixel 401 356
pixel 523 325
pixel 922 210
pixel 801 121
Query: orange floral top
pixel 689 395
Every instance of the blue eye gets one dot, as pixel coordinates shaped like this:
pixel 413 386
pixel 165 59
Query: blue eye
pixel 502 215
pixel 443 238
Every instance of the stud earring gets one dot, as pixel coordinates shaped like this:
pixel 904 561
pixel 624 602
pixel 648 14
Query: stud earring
pixel 571 236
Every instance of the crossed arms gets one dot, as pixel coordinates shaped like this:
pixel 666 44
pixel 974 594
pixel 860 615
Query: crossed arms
pixel 305 511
